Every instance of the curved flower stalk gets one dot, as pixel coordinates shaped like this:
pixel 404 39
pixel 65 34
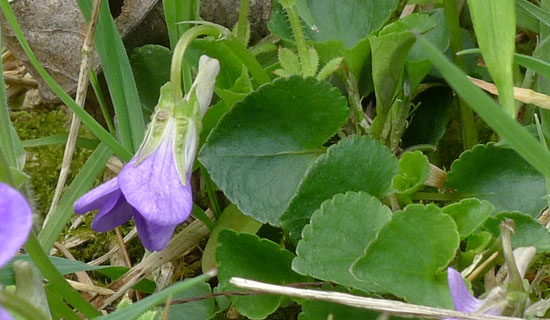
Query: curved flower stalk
pixel 154 187
pixel 16 217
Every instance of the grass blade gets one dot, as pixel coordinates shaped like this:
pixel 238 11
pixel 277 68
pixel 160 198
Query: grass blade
pixel 142 306
pixel 81 183
pixel 495 27
pixel 539 66
pixel 177 11
pixel 9 141
pixel 119 76
pixel 534 11
pixel 518 137
pixel 59 139
pixel 57 281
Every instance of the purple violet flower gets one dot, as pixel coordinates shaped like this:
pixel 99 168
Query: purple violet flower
pixel 154 187
pixel 16 217
pixel 499 300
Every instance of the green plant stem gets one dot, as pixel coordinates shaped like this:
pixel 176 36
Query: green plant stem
pixel 19 305
pixel 211 190
pixel 84 116
pixel 469 130
pixel 57 281
pixel 301 45
pixel 242 24
pixel 178 56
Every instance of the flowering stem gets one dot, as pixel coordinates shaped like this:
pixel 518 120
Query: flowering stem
pixel 301 45
pixel 179 55
pixel 506 229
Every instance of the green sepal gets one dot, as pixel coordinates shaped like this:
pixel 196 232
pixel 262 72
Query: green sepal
pixel 188 126
pixel 164 111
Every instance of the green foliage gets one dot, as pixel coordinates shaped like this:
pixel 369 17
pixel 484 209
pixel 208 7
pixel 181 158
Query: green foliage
pixel 197 310
pixel 351 22
pixel 469 215
pixel 527 231
pixel 258 173
pixel 319 310
pixel 309 157
pixel 328 255
pixel 355 164
pixel 414 170
pixel 151 67
pixel 499 176
pixel 247 256
pixel 495 26
pixel 407 263
pixel 429 121
pixel 232 219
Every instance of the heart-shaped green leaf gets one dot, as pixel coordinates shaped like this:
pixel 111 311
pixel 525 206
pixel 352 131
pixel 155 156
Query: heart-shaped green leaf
pixel 499 176
pixel 359 163
pixel 326 20
pixel 337 235
pixel 410 254
pixel 261 149
pixel 247 256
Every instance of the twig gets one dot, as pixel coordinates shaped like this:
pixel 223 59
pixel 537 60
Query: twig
pixel 20 81
pixel 482 267
pixel 527 96
pixel 240 293
pixel 407 11
pixel 106 256
pixel 123 247
pixel 82 89
pixel 391 306
pixel 81 275
pixel 89 288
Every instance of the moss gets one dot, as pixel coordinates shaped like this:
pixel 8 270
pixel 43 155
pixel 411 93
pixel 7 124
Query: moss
pixel 43 163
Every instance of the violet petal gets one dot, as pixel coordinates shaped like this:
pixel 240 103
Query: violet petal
pixel 114 212
pixel 153 187
pixel 152 236
pixel 463 300
pixel 4 315
pixel 96 198
pixel 16 217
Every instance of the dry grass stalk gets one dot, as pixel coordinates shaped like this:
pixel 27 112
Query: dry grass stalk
pixel 390 306
pixel 521 94
pixel 82 89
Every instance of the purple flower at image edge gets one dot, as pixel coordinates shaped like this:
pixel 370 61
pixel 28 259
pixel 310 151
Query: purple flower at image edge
pixel 16 217
pixel 151 192
pixel 463 300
